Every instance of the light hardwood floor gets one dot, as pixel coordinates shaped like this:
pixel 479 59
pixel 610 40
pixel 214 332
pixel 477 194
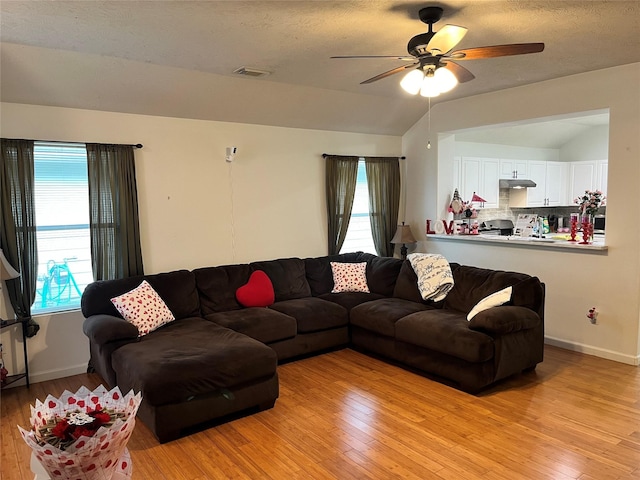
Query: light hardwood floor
pixel 345 415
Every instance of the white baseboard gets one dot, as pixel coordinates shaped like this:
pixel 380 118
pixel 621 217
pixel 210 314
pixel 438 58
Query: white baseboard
pixel 36 377
pixel 595 351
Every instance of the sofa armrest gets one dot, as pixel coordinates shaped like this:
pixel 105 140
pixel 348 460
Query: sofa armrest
pixel 103 329
pixel 505 319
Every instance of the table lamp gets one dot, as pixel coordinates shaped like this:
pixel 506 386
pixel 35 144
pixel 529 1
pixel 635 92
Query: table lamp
pixel 403 235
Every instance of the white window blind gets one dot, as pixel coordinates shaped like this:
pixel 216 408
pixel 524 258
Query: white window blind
pixel 359 237
pixel 62 225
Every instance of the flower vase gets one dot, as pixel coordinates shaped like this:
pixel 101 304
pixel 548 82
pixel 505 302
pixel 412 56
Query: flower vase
pixel 587 229
pixel 574 227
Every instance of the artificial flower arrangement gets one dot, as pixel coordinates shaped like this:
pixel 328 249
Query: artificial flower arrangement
pixel 83 435
pixel 590 201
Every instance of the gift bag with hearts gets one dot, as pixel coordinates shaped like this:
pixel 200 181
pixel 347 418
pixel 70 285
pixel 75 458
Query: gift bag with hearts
pixel 83 435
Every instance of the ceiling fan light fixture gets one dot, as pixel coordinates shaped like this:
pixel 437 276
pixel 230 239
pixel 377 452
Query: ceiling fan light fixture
pixel 430 87
pixel 446 79
pixel 412 81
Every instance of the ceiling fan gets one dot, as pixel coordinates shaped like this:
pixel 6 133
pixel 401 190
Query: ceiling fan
pixel 434 70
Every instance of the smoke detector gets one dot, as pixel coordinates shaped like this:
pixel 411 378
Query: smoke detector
pixel 250 72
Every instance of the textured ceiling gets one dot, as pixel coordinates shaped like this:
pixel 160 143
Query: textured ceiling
pixel 176 58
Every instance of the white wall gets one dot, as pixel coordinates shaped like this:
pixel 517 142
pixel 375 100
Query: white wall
pixel 492 150
pixel 590 145
pixel 575 281
pixel 195 208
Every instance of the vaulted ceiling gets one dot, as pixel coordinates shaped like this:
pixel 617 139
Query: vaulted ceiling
pixel 176 58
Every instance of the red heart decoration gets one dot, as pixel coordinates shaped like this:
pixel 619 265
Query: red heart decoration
pixel 80 444
pixel 81 403
pixel 95 399
pixel 257 292
pixel 52 404
pixel 124 465
pixel 116 396
pixel 71 401
pixel 91 467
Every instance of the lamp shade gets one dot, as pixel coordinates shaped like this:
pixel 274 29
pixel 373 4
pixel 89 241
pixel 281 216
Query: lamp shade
pixel 412 81
pixel 403 235
pixel 7 272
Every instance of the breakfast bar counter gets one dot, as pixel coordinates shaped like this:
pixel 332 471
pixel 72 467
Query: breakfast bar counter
pixel 559 242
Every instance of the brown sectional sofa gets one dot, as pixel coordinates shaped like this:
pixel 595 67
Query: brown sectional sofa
pixel 219 358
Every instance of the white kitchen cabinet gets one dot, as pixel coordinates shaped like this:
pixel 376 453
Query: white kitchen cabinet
pixel 537 196
pixel 513 168
pixel 480 175
pixel 602 173
pixel 551 186
pixel 583 177
pixel 457 172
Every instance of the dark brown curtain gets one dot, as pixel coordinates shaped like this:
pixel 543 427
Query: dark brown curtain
pixel 113 212
pixel 18 232
pixel 383 179
pixel 341 176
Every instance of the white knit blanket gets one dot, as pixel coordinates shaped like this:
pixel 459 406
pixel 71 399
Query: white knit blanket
pixel 435 279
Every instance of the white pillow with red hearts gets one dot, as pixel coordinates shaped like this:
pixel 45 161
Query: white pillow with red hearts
pixel 144 308
pixel 349 277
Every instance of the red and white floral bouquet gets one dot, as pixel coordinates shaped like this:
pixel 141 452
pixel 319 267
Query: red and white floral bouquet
pixel 83 435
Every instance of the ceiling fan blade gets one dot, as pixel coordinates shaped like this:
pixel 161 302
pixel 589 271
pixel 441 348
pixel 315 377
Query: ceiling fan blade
pixel 405 57
pixel 496 51
pixel 445 39
pixel 390 72
pixel 461 73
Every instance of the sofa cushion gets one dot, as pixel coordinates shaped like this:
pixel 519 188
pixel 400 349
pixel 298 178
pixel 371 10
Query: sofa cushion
pixel 472 284
pixel 188 358
pixel 318 271
pixel 177 289
pixel 288 277
pixel 382 273
pixel 349 277
pixel 144 308
pixel 313 314
pixel 505 319
pixel 350 299
pixel 257 292
pixel 528 293
pixel 217 287
pixel 263 324
pixel 380 316
pixel 445 331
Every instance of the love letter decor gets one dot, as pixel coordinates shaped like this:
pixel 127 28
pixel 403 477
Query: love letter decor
pixel 446 227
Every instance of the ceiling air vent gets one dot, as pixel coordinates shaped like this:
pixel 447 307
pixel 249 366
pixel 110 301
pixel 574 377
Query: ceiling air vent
pixel 250 72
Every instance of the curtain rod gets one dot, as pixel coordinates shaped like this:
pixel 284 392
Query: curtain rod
pixel 134 145
pixel 325 155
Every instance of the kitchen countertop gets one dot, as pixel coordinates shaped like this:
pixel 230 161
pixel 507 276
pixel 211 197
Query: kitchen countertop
pixel 549 242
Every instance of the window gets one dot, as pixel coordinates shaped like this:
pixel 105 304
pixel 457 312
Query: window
pixel 61 194
pixel 359 237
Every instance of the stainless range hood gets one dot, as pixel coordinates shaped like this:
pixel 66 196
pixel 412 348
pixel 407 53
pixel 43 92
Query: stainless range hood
pixel 516 183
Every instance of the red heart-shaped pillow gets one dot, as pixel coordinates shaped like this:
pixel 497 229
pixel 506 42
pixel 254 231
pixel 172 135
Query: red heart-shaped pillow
pixel 257 292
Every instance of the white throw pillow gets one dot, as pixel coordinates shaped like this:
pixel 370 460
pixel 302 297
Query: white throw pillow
pixel 349 277
pixel 144 308
pixel 495 299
